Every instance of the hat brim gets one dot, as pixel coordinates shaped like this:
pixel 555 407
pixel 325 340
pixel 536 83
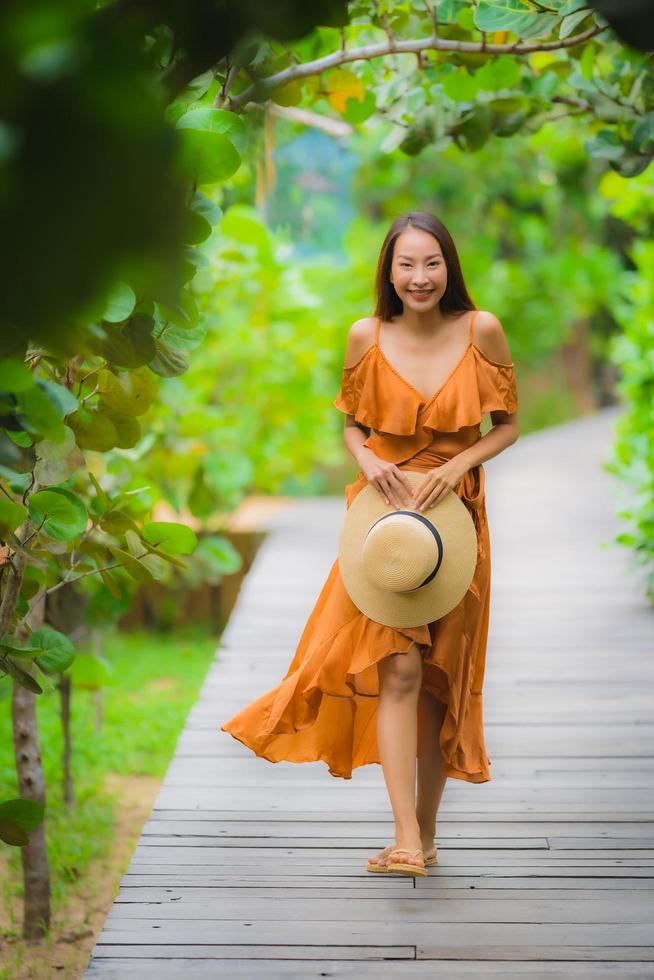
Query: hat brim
pixel 434 600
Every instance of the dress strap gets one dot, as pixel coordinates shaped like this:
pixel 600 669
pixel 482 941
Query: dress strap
pixel 377 330
pixel 472 320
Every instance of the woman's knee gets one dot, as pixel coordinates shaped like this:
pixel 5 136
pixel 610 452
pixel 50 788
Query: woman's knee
pixel 401 673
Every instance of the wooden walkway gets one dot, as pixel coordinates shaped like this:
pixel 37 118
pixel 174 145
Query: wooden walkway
pixel 249 869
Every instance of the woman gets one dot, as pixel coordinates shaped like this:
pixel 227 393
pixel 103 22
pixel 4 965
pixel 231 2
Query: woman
pixel 418 376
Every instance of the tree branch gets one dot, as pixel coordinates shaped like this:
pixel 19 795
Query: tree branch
pixel 414 47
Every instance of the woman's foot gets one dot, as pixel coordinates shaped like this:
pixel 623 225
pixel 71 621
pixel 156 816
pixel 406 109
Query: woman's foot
pixel 407 862
pixel 379 860
pixel 429 850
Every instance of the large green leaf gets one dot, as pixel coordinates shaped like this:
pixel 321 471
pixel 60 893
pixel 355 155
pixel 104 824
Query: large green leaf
pixel 62 514
pixel 93 429
pixel 120 304
pixel 177 539
pixel 516 16
pixel 207 157
pixel 129 392
pixel 209 120
pixel 168 362
pixel 58 651
pixel 42 413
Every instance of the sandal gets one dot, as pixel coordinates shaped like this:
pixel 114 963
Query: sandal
pixel 404 867
pixel 380 866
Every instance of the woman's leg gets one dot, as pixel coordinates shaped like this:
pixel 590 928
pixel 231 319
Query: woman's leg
pixel 400 678
pixel 431 776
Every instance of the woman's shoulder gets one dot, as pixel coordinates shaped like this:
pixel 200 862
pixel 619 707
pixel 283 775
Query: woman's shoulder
pixel 489 337
pixel 360 338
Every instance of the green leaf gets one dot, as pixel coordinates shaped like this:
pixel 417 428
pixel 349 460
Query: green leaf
pixel 120 304
pixel 42 414
pixel 89 673
pixel 460 86
pixel 130 345
pixel 15 375
pixel 177 539
pixel 643 133
pixel 498 73
pixel 17 817
pixel 569 23
pixel 515 16
pixel 60 396
pixel 20 676
pixel 28 814
pixel 128 429
pixel 134 568
pixel 12 514
pixel 206 208
pixel 47 449
pixel 17 648
pixel 93 429
pixel 221 553
pixel 210 120
pixel 63 514
pixel 196 228
pixel 207 157
pixel 130 393
pixel 49 471
pixel 168 362
pixel 58 651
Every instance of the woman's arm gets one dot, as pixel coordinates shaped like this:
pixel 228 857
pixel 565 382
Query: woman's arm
pixel 491 340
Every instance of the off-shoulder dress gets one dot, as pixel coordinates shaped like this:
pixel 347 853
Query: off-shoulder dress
pixel 325 706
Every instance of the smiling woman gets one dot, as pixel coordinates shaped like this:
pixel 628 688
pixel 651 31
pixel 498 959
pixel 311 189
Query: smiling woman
pixel 358 691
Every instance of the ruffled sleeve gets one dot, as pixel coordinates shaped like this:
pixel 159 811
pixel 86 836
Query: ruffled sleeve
pixel 376 400
pixel 476 387
pixel 497 386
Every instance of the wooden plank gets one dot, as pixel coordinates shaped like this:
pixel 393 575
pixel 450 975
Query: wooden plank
pixel 587 869
pixel 448 890
pixel 131 963
pixel 400 931
pixel 226 908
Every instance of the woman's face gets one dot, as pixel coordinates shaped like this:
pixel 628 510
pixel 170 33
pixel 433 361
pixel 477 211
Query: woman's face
pixel 418 270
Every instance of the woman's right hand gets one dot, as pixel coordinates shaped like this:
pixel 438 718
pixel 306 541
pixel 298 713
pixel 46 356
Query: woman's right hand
pixel 389 481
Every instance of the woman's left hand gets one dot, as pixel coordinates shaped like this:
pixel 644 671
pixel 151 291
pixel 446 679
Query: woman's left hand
pixel 438 482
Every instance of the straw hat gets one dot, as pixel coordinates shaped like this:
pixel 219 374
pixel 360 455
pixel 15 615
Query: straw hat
pixel 406 567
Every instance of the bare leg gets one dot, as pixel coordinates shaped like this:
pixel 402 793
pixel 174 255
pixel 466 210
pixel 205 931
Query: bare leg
pixel 431 777
pixel 400 678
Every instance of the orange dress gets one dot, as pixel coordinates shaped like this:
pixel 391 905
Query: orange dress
pixel 325 707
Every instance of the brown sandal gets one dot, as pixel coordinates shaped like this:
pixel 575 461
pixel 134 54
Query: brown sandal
pixel 380 866
pixel 395 862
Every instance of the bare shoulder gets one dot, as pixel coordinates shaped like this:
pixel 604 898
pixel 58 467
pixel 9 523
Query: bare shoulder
pixel 360 337
pixel 489 336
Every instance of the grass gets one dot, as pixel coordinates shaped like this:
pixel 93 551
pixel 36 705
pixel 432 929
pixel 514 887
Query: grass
pixel 155 680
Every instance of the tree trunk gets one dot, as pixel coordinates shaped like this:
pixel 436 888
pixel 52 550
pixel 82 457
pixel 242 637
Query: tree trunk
pixel 31 786
pixel 65 693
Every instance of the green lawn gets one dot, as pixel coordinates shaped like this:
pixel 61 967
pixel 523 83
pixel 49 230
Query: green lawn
pixel 154 682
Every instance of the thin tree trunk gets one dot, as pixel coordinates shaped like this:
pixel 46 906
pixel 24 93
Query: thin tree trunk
pixel 31 786
pixel 98 695
pixel 65 693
